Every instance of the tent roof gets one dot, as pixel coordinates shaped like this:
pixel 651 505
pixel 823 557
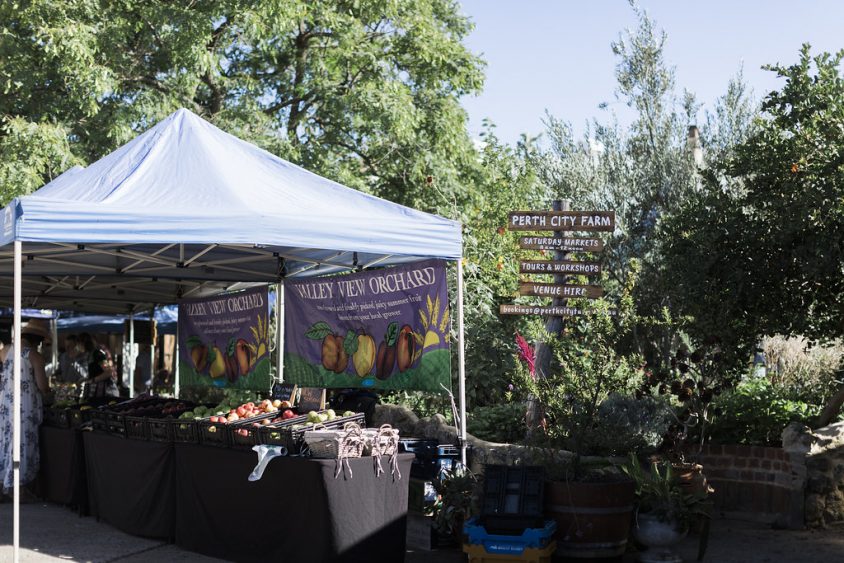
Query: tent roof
pixel 186 209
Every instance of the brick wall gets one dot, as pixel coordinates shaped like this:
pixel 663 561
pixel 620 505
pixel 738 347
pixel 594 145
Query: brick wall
pixel 755 482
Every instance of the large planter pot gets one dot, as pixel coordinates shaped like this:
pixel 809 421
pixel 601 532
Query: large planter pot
pixel 658 536
pixel 593 519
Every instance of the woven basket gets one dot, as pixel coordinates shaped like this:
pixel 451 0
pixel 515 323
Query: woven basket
pixel 384 441
pixel 335 444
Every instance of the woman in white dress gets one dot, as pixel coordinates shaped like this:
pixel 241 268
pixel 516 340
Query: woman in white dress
pixel 34 384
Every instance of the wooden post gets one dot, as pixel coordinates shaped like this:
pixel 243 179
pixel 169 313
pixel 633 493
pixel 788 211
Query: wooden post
pixel 553 325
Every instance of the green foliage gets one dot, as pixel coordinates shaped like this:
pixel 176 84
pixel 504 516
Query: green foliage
pixel 366 93
pixel 491 267
pixel 627 424
pixel 756 412
pixel 586 368
pixel 659 493
pixel 455 491
pixel 504 423
pixel 422 404
pixel 759 250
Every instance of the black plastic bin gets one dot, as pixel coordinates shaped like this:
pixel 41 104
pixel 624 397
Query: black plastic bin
pixel 512 498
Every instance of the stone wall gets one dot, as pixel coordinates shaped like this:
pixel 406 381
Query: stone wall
pixel 822 452
pixel 435 427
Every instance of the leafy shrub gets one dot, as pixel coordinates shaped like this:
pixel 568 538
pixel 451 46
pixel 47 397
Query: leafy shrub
pixel 503 423
pixel 756 412
pixel 626 424
pixel 806 369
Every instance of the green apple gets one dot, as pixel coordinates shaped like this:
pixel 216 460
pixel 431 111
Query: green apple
pixel 331 414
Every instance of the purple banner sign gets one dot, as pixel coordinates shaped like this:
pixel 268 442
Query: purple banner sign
pixel 383 329
pixel 224 341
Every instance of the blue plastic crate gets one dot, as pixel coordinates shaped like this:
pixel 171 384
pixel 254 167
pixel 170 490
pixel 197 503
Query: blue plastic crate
pixel 533 538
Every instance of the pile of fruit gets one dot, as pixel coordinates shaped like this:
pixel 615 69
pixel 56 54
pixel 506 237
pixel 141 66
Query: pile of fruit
pixel 248 410
pixel 314 417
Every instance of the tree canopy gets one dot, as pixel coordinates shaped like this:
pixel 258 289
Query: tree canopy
pixel 760 250
pixel 366 93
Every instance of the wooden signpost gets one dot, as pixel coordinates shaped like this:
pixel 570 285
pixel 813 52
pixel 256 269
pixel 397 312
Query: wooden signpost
pixel 561 291
pixel 564 244
pixel 559 267
pixel 561 221
pixel 549 311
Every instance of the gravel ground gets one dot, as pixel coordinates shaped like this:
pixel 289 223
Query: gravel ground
pixel 54 533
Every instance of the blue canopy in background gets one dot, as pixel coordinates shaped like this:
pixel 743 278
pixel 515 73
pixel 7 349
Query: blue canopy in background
pixel 166 319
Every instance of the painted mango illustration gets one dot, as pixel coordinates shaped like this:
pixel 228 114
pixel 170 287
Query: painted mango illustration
pixel 406 348
pixel 198 353
pixel 334 356
pixel 243 353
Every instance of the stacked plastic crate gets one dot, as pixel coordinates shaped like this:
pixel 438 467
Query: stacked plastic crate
pixel 511 526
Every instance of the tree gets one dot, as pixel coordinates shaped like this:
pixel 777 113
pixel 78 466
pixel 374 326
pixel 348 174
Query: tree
pixel 761 249
pixel 644 172
pixel 366 93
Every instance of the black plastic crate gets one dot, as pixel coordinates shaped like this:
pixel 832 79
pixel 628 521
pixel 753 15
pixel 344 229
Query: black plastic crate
pixel 136 427
pixel 57 416
pixel 77 417
pixel 213 433
pixel 431 457
pixel 115 424
pixel 281 434
pixel 160 429
pixel 98 420
pixel 243 432
pixel 183 431
pixel 512 498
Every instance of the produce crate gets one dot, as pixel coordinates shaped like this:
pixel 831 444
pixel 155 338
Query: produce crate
pixel 479 554
pixel 182 431
pixel 115 424
pixel 78 416
pixel 57 416
pixel 476 534
pixel 213 433
pixel 280 434
pixel 244 434
pixel 512 498
pixel 98 420
pixel 136 427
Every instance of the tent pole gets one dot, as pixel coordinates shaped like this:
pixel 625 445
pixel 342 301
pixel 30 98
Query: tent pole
pixel 54 334
pixel 16 404
pixel 176 361
pixel 279 329
pixel 131 358
pixel 151 346
pixel 461 361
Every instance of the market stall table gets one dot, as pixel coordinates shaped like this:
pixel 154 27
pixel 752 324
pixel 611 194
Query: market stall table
pixel 131 484
pixel 62 476
pixel 298 511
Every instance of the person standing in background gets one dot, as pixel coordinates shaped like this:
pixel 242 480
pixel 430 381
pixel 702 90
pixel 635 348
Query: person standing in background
pixel 33 386
pixel 143 369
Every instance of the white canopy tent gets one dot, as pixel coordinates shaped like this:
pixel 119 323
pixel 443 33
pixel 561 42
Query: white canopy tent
pixel 187 210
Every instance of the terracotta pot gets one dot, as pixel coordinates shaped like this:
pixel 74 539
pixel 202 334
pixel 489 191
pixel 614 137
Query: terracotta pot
pixel 593 519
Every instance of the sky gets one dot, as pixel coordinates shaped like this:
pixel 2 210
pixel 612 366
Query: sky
pixel 556 54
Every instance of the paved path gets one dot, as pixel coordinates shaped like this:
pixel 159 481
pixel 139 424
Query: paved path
pixel 54 533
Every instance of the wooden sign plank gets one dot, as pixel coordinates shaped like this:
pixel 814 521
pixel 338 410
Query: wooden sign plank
pixel 561 221
pixel 561 291
pixel 559 267
pixel 566 244
pixel 552 311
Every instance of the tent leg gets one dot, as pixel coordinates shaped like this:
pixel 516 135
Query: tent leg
pixel 279 329
pixel 131 358
pixel 16 404
pixel 152 346
pixel 176 362
pixel 461 361
pixel 54 334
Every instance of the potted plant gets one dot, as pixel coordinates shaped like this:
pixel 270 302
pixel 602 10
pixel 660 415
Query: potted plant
pixel 665 510
pixel 455 490
pixel 591 503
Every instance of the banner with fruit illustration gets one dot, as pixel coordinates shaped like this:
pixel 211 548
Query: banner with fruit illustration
pixel 382 329
pixel 223 341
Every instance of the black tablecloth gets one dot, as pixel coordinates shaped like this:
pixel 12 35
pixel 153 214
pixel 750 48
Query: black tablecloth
pixel 62 469
pixel 297 512
pixel 131 484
